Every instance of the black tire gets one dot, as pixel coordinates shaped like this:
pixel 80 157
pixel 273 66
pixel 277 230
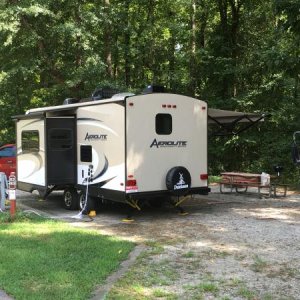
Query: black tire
pixel 81 201
pixel 71 199
pixel 90 203
pixel 178 181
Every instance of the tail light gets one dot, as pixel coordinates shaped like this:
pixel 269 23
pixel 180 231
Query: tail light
pixel 203 176
pixel 131 182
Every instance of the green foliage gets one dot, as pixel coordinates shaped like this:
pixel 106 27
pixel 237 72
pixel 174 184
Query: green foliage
pixel 240 55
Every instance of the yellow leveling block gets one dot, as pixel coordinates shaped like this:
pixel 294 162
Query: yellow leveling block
pixel 92 213
pixel 128 220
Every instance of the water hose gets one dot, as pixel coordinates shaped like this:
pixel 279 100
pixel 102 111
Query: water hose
pixel 86 180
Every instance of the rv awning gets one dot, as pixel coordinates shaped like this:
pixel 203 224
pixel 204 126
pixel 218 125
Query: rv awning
pixel 231 122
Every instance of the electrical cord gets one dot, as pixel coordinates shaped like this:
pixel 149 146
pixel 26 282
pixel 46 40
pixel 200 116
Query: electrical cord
pixel 86 180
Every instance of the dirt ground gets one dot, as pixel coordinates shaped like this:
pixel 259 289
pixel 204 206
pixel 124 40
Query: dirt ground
pixel 228 246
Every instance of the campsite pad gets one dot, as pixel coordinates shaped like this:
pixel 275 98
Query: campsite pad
pixel 227 247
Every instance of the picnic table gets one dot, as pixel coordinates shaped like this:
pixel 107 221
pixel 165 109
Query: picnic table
pixel 240 182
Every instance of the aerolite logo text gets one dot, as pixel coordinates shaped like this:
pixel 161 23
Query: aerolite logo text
pixel 95 137
pixel 159 144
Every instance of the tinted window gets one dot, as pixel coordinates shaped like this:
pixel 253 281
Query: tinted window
pixel 86 153
pixel 8 152
pixel 30 141
pixel 60 139
pixel 163 124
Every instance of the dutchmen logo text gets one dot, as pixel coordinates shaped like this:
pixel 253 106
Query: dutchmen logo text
pixel 95 137
pixel 181 183
pixel 159 144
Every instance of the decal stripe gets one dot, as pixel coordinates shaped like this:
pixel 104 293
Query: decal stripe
pixel 89 119
pixel 103 170
pixel 102 183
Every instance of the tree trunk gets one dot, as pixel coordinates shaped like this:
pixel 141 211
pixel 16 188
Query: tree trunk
pixel 127 45
pixel 107 41
pixel 171 80
pixel 192 50
pixel 223 5
pixel 235 11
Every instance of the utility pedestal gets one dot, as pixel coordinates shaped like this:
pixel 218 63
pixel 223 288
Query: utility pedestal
pixel 12 193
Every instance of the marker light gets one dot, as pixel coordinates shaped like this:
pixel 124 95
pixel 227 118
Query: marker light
pixel 203 176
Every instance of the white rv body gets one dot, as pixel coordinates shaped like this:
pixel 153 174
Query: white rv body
pixel 102 127
pixel 150 155
pixel 31 164
pixel 133 143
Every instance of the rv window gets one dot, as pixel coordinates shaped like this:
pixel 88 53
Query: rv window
pixel 86 153
pixel 30 141
pixel 163 124
pixel 60 138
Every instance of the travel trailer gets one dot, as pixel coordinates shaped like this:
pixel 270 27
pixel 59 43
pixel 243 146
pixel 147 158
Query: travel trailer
pixel 128 148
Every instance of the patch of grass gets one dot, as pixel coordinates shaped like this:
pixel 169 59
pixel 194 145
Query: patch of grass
pixel 202 288
pixel 193 292
pixel 156 248
pixel 267 297
pixel 51 260
pixel 5 217
pixel 259 264
pixel 160 273
pixel 189 254
pixel 200 291
pixel 283 271
pixel 246 293
pixel 213 254
pixel 234 282
pixel 160 293
pixel 148 274
pixel 208 287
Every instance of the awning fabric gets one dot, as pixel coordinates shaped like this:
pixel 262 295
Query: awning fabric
pixel 231 122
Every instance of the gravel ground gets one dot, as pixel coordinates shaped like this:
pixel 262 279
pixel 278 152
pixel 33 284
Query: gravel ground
pixel 228 246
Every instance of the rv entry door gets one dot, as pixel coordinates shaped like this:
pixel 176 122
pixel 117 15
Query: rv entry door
pixel 61 150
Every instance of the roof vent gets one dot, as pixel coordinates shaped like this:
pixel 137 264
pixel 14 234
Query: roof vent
pixel 70 101
pixel 154 89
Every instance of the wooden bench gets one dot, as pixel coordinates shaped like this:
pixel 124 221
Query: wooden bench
pixel 241 181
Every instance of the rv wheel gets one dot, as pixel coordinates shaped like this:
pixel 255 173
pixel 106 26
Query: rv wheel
pixel 71 198
pixel 178 181
pixel 89 206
